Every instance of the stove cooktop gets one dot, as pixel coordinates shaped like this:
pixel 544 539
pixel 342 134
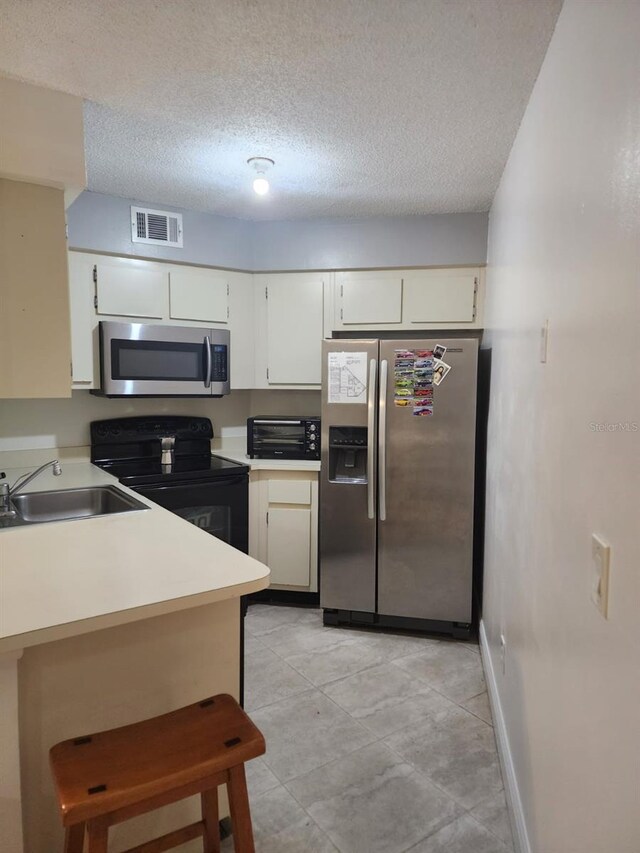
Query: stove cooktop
pixel 131 450
pixel 137 472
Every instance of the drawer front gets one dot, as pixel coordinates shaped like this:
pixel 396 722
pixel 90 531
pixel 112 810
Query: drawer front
pixel 290 492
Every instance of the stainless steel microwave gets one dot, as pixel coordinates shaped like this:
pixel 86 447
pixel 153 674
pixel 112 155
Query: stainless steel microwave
pixel 140 360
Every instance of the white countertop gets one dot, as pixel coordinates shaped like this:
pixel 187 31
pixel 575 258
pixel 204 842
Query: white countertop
pixel 236 450
pixel 66 578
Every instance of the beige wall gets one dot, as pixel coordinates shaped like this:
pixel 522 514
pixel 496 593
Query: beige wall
pixel 110 678
pixel 42 137
pixel 564 244
pixel 34 424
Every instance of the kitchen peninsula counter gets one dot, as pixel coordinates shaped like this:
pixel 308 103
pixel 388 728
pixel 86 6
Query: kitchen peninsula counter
pixel 68 577
pixel 105 621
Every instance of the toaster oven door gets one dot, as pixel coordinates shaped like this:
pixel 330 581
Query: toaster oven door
pixel 278 439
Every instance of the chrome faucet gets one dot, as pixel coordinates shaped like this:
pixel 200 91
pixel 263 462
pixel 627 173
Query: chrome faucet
pixel 7 492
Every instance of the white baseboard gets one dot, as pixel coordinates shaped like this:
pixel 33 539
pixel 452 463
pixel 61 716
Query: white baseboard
pixel 514 803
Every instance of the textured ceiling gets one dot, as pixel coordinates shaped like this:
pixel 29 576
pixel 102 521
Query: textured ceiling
pixel 368 107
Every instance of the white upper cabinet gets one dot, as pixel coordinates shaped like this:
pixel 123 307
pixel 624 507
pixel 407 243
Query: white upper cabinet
pixel 289 329
pixel 367 298
pixel 439 296
pixel 153 292
pixel 198 294
pixel 130 288
pixel 393 300
pixel 241 329
pixel 83 323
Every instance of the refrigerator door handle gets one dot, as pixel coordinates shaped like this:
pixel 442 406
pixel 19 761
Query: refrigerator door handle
pixel 371 421
pixel 382 443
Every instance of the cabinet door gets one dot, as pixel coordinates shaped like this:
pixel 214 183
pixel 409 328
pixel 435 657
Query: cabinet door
pixel 366 298
pixel 35 339
pixel 81 291
pixel 129 288
pixel 294 329
pixel 196 294
pixel 440 296
pixel 241 330
pixel 289 545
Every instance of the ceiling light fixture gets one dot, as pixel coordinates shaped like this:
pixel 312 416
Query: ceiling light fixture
pixel 261 166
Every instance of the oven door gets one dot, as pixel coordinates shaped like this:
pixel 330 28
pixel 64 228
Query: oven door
pixel 220 506
pixel 138 360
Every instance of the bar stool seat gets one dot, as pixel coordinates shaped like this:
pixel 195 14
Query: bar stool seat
pixel 105 778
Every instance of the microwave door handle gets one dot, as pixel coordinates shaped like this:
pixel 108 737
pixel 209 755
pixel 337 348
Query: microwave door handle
pixel 207 360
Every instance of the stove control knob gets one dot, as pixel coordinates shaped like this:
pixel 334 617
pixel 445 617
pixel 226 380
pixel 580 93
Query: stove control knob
pixel 312 446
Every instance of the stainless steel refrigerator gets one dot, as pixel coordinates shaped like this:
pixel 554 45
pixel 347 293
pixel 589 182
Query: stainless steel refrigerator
pixel 397 482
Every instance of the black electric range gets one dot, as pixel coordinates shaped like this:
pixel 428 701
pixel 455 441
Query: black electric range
pixel 168 460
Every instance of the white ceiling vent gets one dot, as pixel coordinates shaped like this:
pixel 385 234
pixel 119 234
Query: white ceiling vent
pixel 156 226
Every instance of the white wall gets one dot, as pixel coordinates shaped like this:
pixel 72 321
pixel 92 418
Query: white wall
pixel 564 244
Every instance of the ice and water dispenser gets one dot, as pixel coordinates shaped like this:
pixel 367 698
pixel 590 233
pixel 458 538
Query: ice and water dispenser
pixel 347 454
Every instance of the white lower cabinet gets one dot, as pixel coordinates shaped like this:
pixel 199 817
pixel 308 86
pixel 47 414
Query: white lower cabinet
pixel 283 527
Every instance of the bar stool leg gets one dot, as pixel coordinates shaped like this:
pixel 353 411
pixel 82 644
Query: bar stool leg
pixel 97 835
pixel 209 802
pixel 240 813
pixel 74 838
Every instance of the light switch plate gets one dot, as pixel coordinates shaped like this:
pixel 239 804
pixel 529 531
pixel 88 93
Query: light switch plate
pixel 600 552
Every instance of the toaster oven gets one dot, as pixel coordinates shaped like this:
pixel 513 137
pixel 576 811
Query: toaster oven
pixel 283 437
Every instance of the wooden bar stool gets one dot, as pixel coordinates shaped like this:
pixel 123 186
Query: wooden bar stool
pixel 108 777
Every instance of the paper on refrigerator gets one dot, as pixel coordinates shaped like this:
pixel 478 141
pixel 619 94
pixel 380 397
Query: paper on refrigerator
pixel 347 377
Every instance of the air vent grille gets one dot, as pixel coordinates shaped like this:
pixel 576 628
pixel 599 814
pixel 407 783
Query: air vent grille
pixel 156 226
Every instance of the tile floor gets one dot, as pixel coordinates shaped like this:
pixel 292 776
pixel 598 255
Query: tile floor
pixel 376 743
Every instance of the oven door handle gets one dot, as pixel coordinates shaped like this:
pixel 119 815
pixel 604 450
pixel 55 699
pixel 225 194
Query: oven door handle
pixel 207 360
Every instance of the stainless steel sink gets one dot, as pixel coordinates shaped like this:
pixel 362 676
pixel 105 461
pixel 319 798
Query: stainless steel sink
pixel 40 507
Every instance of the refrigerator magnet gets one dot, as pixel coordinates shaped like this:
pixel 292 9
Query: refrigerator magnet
pixel 424 374
pixel 424 353
pixel 422 410
pixel 439 351
pixel 424 363
pixel 402 401
pixel 440 372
